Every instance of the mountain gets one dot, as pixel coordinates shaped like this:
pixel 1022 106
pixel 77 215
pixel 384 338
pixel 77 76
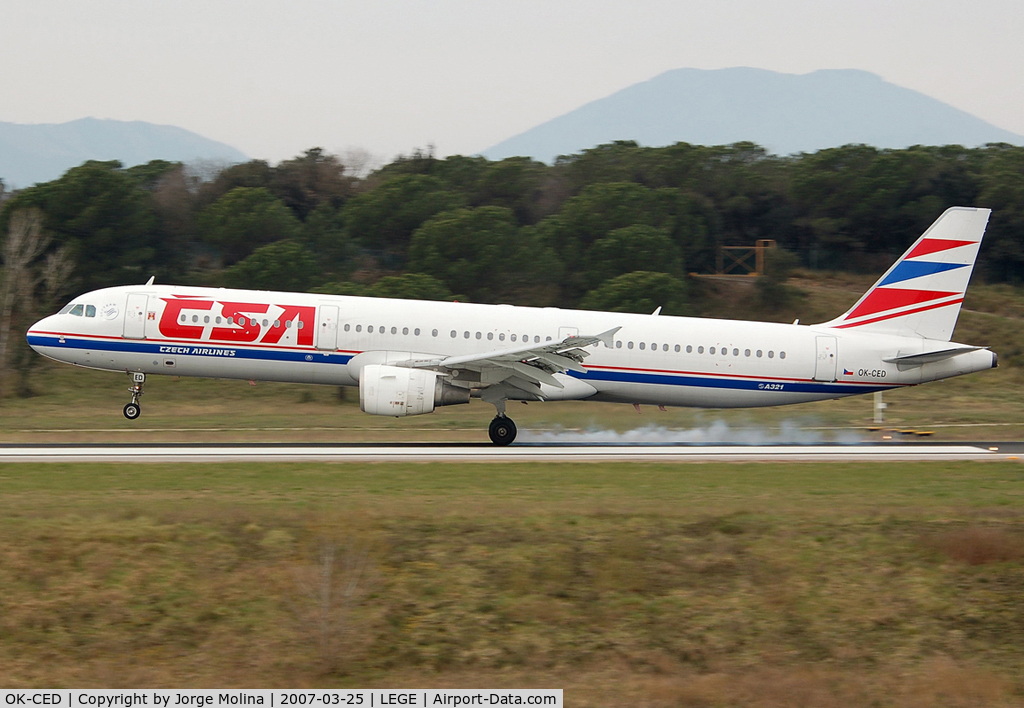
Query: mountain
pixel 39 153
pixel 785 113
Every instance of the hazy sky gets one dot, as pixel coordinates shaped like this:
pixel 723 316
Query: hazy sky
pixel 273 78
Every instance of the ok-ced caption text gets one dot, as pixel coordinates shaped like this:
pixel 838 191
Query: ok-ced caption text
pixel 279 698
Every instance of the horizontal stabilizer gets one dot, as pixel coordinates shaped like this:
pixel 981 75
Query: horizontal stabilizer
pixel 927 357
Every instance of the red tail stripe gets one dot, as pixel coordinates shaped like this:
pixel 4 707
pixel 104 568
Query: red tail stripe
pixel 934 306
pixel 881 299
pixel 934 245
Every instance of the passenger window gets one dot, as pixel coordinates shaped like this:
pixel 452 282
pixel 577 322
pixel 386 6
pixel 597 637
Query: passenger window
pixel 782 355
pixel 771 354
pixel 478 335
pixel 454 334
pixel 711 350
pixel 206 319
pixel 90 310
pixel 266 323
pixel 629 345
pixel 394 330
pixel 677 347
pixel 465 335
pixel 735 352
pixel 289 324
pixel 689 349
pixel 746 352
pixel 700 350
pixel 643 345
pixel 433 333
pixel 490 336
pixel 758 353
pixel 416 331
pixel 405 330
pixel 370 329
pixel 359 328
pixel 501 337
pixel 664 347
pixel 618 344
pixel 536 339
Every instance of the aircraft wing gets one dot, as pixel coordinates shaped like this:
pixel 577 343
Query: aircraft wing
pixel 525 367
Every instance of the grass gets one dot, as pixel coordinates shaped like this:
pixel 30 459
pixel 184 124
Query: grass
pixel 642 584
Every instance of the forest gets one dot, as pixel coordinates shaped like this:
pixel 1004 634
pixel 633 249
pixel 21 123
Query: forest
pixel 617 227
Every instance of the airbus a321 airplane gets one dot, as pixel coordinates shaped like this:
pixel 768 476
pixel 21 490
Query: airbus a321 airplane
pixel 409 357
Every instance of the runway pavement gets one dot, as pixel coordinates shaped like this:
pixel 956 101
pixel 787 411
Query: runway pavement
pixel 368 452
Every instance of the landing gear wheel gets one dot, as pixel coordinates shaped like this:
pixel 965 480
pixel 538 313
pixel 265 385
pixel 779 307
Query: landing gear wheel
pixel 132 411
pixel 502 430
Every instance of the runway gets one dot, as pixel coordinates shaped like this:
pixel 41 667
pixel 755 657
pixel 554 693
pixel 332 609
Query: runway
pixel 370 452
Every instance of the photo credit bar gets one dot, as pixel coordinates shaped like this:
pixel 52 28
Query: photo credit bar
pixel 279 698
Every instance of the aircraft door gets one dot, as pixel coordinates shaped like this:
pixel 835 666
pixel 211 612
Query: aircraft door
pixel 135 316
pixel 826 361
pixel 327 329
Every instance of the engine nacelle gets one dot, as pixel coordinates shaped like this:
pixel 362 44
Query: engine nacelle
pixel 400 391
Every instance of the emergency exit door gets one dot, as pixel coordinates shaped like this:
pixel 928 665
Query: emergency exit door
pixel 135 316
pixel 327 328
pixel 825 364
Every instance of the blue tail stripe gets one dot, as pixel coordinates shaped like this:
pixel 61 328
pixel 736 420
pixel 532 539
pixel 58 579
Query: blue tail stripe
pixel 908 270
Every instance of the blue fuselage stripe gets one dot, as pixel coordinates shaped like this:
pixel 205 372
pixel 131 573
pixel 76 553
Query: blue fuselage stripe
pixel 319 357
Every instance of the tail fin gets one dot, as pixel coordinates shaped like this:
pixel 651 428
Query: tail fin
pixel 920 295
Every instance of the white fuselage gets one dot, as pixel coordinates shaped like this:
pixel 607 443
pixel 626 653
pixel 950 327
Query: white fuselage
pixel 309 338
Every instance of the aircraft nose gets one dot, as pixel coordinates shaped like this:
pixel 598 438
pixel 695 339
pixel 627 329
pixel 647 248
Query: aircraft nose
pixel 36 332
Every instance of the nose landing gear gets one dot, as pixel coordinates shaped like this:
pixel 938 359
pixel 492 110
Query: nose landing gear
pixel 133 410
pixel 502 430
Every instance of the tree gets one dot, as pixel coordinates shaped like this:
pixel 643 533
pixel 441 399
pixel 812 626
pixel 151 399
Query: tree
pixel 604 207
pixel 311 180
pixel 108 222
pixel 642 248
pixel 29 287
pixel 324 234
pixel 410 286
pixel 482 253
pixel 282 265
pixel 245 219
pixel 640 292
pixel 385 218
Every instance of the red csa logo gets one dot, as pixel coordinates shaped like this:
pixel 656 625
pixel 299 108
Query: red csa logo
pixel 239 318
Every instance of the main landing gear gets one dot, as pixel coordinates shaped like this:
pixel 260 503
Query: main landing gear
pixel 133 410
pixel 502 430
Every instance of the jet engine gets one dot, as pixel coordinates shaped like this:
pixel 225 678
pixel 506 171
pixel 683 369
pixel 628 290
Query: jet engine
pixel 400 391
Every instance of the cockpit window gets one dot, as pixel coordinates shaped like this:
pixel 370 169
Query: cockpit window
pixel 66 309
pixel 90 310
pixel 77 310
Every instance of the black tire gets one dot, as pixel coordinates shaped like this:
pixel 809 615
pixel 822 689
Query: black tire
pixel 502 431
pixel 132 411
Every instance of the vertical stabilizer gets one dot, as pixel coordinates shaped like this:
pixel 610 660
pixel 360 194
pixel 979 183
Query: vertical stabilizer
pixel 921 294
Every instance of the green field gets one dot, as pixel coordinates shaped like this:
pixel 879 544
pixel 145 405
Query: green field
pixel 628 584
